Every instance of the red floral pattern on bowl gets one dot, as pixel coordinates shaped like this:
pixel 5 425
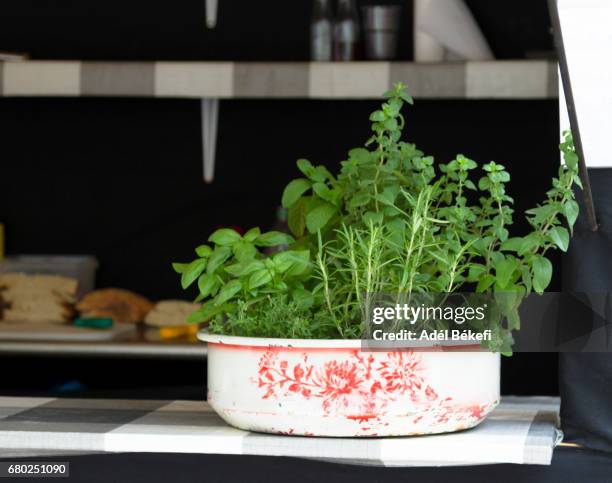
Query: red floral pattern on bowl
pixel 332 388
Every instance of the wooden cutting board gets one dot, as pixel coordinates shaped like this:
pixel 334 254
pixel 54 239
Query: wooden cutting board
pixel 49 331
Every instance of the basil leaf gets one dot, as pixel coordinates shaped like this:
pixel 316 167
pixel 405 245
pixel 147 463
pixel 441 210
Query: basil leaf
pixel 225 237
pixel 192 272
pixel 294 190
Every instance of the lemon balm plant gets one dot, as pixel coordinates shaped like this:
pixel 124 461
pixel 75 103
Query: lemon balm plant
pixel 392 221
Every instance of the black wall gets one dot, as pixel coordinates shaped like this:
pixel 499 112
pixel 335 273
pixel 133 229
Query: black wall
pixel 122 179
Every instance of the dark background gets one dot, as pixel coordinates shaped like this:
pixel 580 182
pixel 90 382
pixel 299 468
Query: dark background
pixel 122 178
pixel 246 30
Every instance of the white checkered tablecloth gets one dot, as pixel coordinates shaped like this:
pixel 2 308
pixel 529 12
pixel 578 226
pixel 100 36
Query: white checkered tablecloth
pixel 521 430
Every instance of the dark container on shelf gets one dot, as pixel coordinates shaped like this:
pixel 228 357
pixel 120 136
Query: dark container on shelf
pixel 381 28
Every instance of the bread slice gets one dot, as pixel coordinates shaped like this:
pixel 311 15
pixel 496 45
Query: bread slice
pixel 170 313
pixel 20 283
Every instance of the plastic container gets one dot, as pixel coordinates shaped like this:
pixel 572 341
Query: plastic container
pixel 81 267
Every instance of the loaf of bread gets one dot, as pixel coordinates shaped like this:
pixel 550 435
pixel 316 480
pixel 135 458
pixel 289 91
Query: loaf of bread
pixel 37 298
pixel 118 304
pixel 170 313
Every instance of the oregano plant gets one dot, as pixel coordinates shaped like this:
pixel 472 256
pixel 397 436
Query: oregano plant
pixel 392 220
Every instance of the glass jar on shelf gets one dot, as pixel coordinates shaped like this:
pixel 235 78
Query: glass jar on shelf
pixel 346 32
pixel 321 31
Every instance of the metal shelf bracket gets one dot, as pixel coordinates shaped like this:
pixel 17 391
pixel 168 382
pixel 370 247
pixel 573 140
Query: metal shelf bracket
pixel 210 121
pixel 211 13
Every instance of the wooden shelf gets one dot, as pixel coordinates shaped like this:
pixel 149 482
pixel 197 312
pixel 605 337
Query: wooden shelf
pixel 532 79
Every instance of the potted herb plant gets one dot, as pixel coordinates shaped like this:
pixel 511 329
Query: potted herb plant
pixel 284 348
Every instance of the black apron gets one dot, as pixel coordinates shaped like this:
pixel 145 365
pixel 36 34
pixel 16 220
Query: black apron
pixel 585 378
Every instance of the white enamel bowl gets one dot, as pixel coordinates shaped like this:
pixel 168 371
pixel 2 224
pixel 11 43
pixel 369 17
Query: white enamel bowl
pixel 332 388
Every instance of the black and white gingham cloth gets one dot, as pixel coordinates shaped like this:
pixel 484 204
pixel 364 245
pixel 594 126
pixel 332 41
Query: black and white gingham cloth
pixel 520 430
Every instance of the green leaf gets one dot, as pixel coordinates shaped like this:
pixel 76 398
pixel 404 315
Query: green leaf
pixel 377 116
pixel 396 229
pixel 225 237
pixel 571 159
pixel 578 181
pixel 484 183
pixel 507 300
pixel 273 239
pixel 294 190
pixel 303 298
pixel 250 235
pixel 259 278
pixel 530 242
pixel 496 257
pixel 323 192
pixel 321 174
pixel 294 262
pixel 192 272
pixel 470 185
pixel 512 244
pixel 374 217
pixel 504 270
pixel 571 210
pixel 318 218
pixel 218 257
pixel 207 312
pixel 444 258
pixel 514 320
pixel 361 198
pixel 502 176
pixel 296 218
pixel 206 284
pixel 493 167
pixel 197 317
pixel 203 251
pixel 542 273
pixel 390 124
pixel 388 195
pixel 526 277
pixel 235 270
pixel 360 155
pixel 305 167
pixel 475 272
pixel 244 251
pixel 560 237
pixel 244 269
pixel 501 233
pixel 541 213
pixel 481 245
pixel 228 291
pixel 180 267
pixel 485 282
pixel 407 98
